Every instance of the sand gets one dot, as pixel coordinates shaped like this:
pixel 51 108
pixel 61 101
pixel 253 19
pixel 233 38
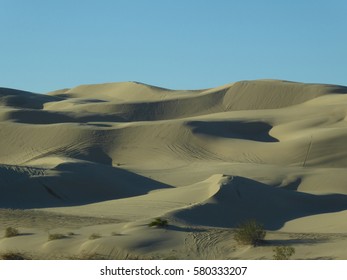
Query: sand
pixel 97 163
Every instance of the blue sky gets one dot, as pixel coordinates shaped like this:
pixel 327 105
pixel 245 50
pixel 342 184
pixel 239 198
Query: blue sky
pixel 180 44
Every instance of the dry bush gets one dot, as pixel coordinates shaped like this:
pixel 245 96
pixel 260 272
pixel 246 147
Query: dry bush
pixel 250 233
pixel 10 232
pixel 94 236
pixel 283 252
pixel 55 236
pixel 13 256
pixel 158 222
pixel 87 256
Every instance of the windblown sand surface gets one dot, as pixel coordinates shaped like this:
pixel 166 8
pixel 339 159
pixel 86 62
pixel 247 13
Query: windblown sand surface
pixel 105 160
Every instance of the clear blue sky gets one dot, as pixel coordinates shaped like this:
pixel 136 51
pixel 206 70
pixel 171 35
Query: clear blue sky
pixel 180 44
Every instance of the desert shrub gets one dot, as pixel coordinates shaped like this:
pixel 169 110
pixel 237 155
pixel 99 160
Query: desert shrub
pixel 250 233
pixel 55 236
pixel 87 256
pixel 94 236
pixel 13 256
pixel 283 252
pixel 11 231
pixel 158 222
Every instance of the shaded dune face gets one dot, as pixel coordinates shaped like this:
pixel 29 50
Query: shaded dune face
pixel 243 199
pixel 256 131
pixel 70 184
pixel 117 141
pixel 24 99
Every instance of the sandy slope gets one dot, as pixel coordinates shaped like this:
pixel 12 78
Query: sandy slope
pixel 122 154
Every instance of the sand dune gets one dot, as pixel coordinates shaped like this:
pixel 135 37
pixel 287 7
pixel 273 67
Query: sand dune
pixel 206 160
pixel 245 199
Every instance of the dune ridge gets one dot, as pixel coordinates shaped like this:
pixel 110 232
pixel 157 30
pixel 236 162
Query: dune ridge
pixel 206 160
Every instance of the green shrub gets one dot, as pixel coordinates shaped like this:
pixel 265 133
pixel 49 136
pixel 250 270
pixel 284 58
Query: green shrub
pixel 158 222
pixel 10 232
pixel 94 236
pixel 283 252
pixel 250 233
pixel 55 236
